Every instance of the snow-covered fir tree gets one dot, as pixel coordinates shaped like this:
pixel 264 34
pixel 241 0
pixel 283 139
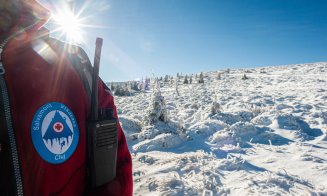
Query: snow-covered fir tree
pixel 135 86
pixel 201 78
pixel 112 87
pixel 185 80
pixel 147 84
pixel 219 76
pixel 158 111
pixel 176 87
pixel 244 77
pixel 215 108
pixel 166 78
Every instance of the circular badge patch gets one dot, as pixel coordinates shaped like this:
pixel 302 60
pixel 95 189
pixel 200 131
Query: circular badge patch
pixel 55 132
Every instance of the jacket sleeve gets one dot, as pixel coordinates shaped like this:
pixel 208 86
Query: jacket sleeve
pixel 123 183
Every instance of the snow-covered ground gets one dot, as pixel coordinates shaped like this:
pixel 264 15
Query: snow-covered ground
pixel 268 136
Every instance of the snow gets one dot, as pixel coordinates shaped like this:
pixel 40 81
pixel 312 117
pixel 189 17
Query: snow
pixel 266 135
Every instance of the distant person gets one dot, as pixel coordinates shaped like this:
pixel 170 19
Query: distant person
pixel 44 109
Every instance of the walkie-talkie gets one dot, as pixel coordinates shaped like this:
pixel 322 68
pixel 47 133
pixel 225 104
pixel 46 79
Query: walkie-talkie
pixel 101 135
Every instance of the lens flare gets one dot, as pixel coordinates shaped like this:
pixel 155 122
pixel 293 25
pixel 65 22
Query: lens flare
pixel 69 25
pixel 73 21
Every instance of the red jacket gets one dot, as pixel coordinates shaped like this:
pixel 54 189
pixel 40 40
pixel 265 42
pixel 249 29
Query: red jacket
pixel 45 92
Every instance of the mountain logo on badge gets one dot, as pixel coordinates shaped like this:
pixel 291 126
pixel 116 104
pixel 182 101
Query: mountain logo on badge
pixel 54 132
pixel 58 131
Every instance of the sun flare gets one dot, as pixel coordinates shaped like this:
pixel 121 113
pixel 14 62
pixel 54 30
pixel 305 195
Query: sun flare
pixel 69 25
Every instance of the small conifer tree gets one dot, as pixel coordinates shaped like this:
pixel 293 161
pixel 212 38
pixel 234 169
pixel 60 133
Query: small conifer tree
pixel 219 76
pixel 112 87
pixel 135 86
pixel 158 111
pixel 215 108
pixel 147 84
pixel 244 77
pixel 185 80
pixel 201 79
pixel 177 87
pixel 166 78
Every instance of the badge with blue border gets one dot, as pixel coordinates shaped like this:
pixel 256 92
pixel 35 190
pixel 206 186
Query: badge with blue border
pixel 54 132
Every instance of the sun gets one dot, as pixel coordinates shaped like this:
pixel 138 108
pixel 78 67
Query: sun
pixel 72 22
pixel 69 24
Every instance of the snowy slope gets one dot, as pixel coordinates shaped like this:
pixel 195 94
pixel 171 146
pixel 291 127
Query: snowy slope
pixel 269 136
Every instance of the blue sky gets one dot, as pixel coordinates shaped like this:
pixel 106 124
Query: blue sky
pixel 146 37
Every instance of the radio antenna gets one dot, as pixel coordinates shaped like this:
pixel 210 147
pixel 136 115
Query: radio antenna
pixel 95 79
